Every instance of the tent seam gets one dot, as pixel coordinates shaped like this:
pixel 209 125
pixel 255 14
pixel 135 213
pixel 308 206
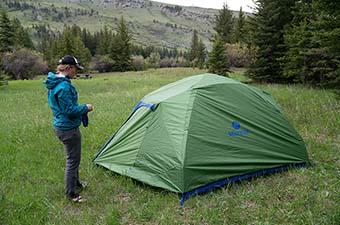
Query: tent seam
pixel 187 132
pixel 142 142
pixel 193 90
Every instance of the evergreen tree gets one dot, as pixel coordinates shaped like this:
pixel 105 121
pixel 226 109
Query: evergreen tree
pixel 329 25
pixel 301 45
pixel 89 41
pixel 309 58
pixel 7 37
pixel 201 54
pixel 249 31
pixel 240 28
pixel 270 20
pixel 68 43
pixel 218 62
pixel 194 46
pixel 224 24
pixel 329 37
pixel 104 41
pixel 21 36
pixel 121 48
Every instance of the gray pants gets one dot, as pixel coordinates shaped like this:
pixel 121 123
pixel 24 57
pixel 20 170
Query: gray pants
pixel 72 144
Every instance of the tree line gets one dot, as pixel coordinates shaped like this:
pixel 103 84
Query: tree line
pixel 106 50
pixel 283 41
pixel 288 41
pixel 231 44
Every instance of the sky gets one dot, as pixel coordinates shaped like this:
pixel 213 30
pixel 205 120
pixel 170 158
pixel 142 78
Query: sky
pixel 215 4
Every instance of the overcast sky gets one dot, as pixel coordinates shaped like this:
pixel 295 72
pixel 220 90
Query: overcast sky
pixel 216 4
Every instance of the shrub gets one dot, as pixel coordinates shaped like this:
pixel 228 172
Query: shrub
pixel 23 64
pixel 138 62
pixel 182 62
pixel 238 55
pixel 102 63
pixel 3 78
pixel 168 62
pixel 154 60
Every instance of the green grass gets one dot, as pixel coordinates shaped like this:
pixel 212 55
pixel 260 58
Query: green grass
pixel 32 162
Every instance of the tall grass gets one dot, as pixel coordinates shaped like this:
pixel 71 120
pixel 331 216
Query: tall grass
pixel 32 162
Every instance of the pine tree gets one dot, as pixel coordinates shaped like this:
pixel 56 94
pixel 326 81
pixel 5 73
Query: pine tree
pixel 68 43
pixel 21 36
pixel 193 47
pixel 104 41
pixel 301 44
pixel 329 37
pixel 201 54
pixel 121 48
pixel 224 24
pixel 89 41
pixel 240 28
pixel 270 20
pixel 7 37
pixel 329 25
pixel 218 62
pixel 310 59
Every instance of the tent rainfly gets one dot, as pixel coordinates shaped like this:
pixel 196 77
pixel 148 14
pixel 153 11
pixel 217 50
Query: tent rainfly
pixel 200 133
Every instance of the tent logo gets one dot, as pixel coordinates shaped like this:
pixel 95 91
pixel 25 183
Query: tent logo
pixel 237 130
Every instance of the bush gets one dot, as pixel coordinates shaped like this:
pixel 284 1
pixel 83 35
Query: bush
pixel 23 64
pixel 138 62
pixel 154 60
pixel 3 78
pixel 182 62
pixel 239 55
pixel 102 63
pixel 168 62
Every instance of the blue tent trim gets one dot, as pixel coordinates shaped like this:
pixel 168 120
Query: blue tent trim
pixel 140 104
pixel 220 183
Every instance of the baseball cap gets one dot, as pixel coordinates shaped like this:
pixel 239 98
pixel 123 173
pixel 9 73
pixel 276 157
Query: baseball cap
pixel 70 60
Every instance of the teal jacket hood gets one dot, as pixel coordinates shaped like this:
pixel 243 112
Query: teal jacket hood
pixel 63 101
pixel 52 80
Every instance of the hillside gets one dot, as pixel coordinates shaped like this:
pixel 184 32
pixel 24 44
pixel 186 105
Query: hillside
pixel 151 23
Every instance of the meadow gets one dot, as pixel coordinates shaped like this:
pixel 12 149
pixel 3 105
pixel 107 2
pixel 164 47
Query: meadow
pixel 32 161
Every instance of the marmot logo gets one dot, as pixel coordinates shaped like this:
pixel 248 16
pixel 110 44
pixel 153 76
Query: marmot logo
pixel 237 132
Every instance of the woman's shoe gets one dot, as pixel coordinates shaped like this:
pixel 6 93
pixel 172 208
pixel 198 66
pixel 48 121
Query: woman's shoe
pixel 76 198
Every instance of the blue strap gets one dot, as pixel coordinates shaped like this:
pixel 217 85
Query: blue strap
pixel 144 104
pixel 220 183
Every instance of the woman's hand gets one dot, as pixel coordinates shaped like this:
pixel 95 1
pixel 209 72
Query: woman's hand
pixel 89 107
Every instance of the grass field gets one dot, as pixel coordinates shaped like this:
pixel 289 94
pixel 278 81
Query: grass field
pixel 32 162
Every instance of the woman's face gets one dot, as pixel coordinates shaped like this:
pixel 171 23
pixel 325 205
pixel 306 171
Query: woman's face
pixel 72 71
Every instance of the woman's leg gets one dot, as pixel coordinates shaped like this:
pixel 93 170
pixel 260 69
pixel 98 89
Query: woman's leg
pixel 72 144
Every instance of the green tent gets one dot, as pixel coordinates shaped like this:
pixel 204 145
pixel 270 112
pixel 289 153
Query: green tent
pixel 200 133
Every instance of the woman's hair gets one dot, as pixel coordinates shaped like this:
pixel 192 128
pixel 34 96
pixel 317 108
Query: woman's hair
pixel 61 68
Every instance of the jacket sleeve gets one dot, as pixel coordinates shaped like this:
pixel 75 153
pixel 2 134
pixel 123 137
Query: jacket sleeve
pixel 67 106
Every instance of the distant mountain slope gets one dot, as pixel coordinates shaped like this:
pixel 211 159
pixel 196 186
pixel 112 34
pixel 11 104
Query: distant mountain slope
pixel 150 22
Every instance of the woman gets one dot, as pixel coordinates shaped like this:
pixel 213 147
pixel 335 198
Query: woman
pixel 63 100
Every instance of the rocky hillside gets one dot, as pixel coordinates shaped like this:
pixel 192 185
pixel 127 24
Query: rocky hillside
pixel 150 22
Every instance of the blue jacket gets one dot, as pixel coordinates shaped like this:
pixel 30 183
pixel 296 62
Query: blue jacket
pixel 63 100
